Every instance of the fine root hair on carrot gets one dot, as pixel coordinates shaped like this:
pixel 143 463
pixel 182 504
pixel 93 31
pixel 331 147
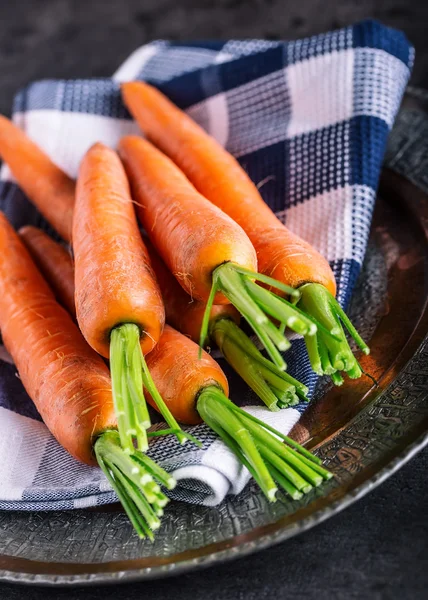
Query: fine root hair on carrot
pixel 272 458
pixel 136 480
pixel 275 387
pixel 329 351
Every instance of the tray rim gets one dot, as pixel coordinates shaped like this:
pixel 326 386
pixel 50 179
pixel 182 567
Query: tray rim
pixel 260 539
pixel 221 556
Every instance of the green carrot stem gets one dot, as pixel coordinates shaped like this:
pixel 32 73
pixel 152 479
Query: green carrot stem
pixel 130 417
pixel 232 281
pixel 135 379
pixel 130 405
pixel 257 371
pixel 207 314
pixel 149 384
pixel 267 440
pixel 285 398
pixel 284 468
pixel 313 353
pixel 355 372
pixel 155 470
pixel 268 281
pixel 132 481
pixel 300 449
pixel 139 501
pixel 285 483
pixel 349 326
pixel 140 527
pixel 337 378
pixel 224 335
pixel 117 365
pixel 334 354
pixel 235 448
pixel 326 365
pixel 211 410
pixel 272 305
pixel 313 465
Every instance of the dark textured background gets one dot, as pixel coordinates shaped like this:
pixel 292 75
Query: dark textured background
pixel 377 549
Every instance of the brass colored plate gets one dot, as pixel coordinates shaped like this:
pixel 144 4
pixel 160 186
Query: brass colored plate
pixel 363 432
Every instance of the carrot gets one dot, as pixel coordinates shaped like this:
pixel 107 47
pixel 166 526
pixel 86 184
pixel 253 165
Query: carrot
pixel 195 390
pixel 118 303
pixel 281 254
pixel 206 251
pixel 49 188
pixel 276 388
pixel 54 262
pixel 69 383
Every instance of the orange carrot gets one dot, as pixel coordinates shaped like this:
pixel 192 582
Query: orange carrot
pixel 192 236
pixel 114 280
pixel 118 303
pixel 281 254
pixel 195 389
pixel 49 188
pixel 54 262
pixel 54 362
pixel 276 388
pixel 68 382
pixel 203 248
pixel 180 376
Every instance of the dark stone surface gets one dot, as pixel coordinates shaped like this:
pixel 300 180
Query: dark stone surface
pixel 375 549
pixel 73 38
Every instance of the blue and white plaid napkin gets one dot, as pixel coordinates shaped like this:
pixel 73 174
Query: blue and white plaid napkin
pixel 307 119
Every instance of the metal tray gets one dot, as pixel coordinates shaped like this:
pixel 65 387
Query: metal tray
pixel 363 432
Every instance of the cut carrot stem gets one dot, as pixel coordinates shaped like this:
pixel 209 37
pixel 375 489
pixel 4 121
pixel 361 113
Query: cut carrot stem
pixel 329 355
pixel 257 447
pixel 268 381
pixel 210 410
pixel 289 441
pixel 130 374
pixel 285 483
pixel 132 478
pixel 256 304
pixel 129 402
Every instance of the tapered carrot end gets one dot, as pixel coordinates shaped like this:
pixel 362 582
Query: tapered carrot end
pixel 98 146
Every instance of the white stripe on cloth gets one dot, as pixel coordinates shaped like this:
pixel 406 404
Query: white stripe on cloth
pixel 22 446
pixel 49 129
pixel 134 64
pixel 330 79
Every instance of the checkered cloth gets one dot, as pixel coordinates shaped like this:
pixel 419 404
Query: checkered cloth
pixel 308 120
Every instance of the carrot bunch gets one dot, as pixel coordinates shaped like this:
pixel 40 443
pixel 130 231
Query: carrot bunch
pixel 284 260
pixel 195 390
pixel 70 383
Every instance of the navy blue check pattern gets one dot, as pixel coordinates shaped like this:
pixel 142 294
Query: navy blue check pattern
pixel 308 120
